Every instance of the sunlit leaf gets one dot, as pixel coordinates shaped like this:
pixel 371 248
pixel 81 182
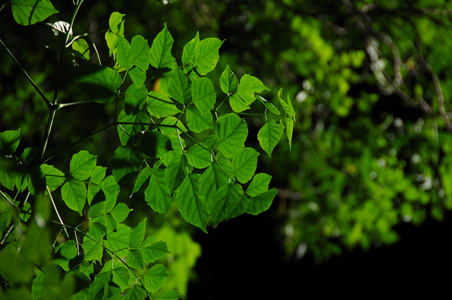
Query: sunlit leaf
pixel 82 165
pixel 154 277
pixel 259 184
pixel 29 12
pixel 158 195
pixel 199 157
pixel 225 202
pixel 269 135
pixel 249 85
pixel 244 164
pixel 153 251
pixel 203 94
pixel 160 52
pixel 188 53
pixel 176 85
pixel 228 81
pixel 207 55
pixel 268 105
pixel 197 121
pixel 231 132
pixel 140 52
pixel 54 177
pixel 73 194
pixel 160 106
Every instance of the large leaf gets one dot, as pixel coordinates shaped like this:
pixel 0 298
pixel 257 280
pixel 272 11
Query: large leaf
pixel 269 135
pixel 73 194
pixel 206 55
pixel 153 278
pixel 199 157
pixel 261 202
pixel 192 208
pixel 231 132
pixel 225 202
pixel 188 53
pixel 160 53
pixel 197 121
pixel 82 165
pixel 54 177
pixel 203 94
pixel 29 12
pixel 99 83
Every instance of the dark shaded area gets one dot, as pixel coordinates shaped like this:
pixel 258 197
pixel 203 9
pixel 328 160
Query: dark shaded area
pixel 242 260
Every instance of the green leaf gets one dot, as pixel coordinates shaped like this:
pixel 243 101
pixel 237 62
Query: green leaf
pixel 29 12
pixel 135 293
pixel 153 251
pixel 126 161
pixel 116 29
pixel 93 250
pixel 121 277
pixel 54 177
pixel 261 202
pixel 287 106
pixel 206 55
pixel 168 295
pixel 269 135
pixel 111 190
pixel 191 207
pixel 124 53
pixel 154 277
pixel 228 81
pixel 82 165
pixel 160 106
pixel 136 236
pixel 176 170
pixel 73 194
pixel 199 157
pixel 268 105
pixel 289 131
pixel 118 240
pixel 158 195
pixel 198 121
pixel 135 258
pixel 160 53
pixel 81 48
pixel 176 85
pixel 94 182
pixel 225 202
pixel 137 75
pixel 244 164
pixel 237 104
pixel 126 132
pixel 144 175
pixel 259 184
pixel 99 83
pixel 249 85
pixel 9 141
pixel 120 213
pixel 188 53
pixel 140 52
pixel 211 180
pixel 203 94
pixel 135 98
pixel 231 132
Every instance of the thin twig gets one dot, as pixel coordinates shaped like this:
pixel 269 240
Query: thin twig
pixel 56 210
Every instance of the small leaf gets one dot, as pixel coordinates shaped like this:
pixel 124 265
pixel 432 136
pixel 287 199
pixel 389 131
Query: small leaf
pixel 160 106
pixel 231 132
pixel 9 141
pixel 261 202
pixel 197 121
pixel 160 53
pixel 158 194
pixel 135 293
pixel 203 94
pixel 136 236
pixel 244 164
pixel 287 106
pixel 268 105
pixel 137 75
pixel 153 251
pixel 249 85
pixel 289 131
pixel 191 207
pixel 82 165
pixel 207 55
pixel 120 212
pixel 154 277
pixel 121 277
pixel 54 177
pixel 199 157
pixel 176 85
pixel 237 104
pixel 269 135
pixel 144 175
pixel 99 83
pixel 228 81
pixel 81 48
pixel 124 53
pixel 140 52
pixel 259 184
pixel 188 53
pixel 29 12
pixel 73 194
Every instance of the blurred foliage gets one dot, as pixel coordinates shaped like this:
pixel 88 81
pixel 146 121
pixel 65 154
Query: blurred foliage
pixel 371 84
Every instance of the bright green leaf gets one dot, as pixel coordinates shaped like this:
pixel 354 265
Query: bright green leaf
pixel 188 53
pixel 140 52
pixel 259 184
pixel 137 75
pixel 153 251
pixel 228 81
pixel 82 165
pixel 120 213
pixel 168 295
pixel 249 85
pixel 121 277
pixel 54 177
pixel 207 55
pixel 81 48
pixel 197 121
pixel 244 164
pixel 144 175
pixel 225 202
pixel 211 180
pixel 287 106
pixel 199 157
pixel 237 104
pixel 289 131
pixel 191 207
pixel 135 258
pixel 269 135
pixel 268 105
pixel 154 277
pixel 231 132
pixel 158 195
pixel 135 293
pixel 29 12
pixel 203 94
pixel 176 85
pixel 160 106
pixel 261 202
pixel 160 53
pixel 136 236
pixel 124 53
pixel 73 194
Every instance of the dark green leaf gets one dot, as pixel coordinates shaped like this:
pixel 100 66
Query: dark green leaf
pixel 9 141
pixel 99 83
pixel 135 98
pixel 176 85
